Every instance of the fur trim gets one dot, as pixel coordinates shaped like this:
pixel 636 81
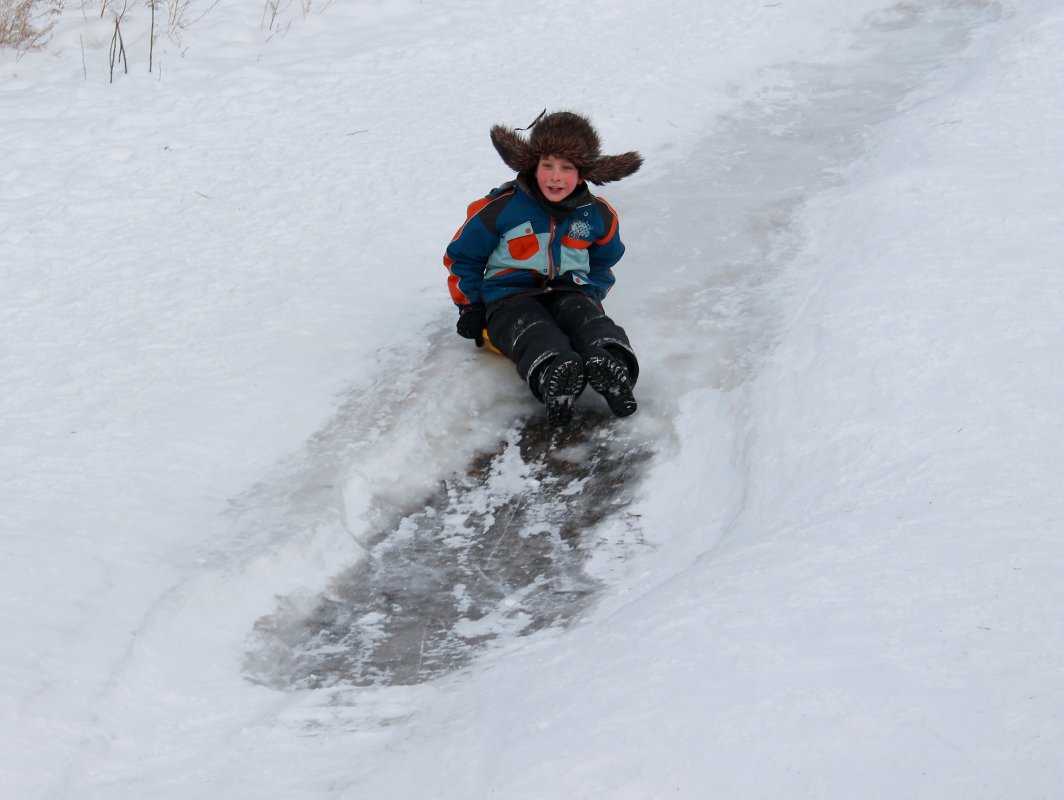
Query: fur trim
pixel 568 135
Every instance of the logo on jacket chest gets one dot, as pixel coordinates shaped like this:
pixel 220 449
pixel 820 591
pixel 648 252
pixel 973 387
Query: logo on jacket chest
pixel 579 229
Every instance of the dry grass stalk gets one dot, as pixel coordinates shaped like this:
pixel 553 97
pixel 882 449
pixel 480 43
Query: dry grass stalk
pixel 27 24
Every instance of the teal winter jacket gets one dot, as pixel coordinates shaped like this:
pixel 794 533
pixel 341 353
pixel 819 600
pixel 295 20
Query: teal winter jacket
pixel 511 242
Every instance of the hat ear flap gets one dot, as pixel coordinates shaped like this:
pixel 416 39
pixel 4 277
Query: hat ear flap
pixel 513 150
pixel 612 168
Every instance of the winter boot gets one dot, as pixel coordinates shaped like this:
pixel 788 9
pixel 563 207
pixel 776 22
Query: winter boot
pixel 608 375
pixel 560 383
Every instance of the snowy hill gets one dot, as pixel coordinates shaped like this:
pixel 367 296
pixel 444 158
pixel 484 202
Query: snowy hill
pixel 270 529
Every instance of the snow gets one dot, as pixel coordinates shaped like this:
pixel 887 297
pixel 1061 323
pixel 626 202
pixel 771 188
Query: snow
pixel 230 371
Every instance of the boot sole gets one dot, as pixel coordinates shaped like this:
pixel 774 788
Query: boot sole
pixel 563 387
pixel 609 379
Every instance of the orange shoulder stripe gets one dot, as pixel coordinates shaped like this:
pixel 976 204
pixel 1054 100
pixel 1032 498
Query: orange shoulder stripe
pixel 613 222
pixel 475 208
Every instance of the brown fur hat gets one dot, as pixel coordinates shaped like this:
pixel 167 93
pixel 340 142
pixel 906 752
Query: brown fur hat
pixel 567 135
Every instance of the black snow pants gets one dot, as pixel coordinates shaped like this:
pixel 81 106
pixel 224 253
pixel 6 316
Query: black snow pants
pixel 532 328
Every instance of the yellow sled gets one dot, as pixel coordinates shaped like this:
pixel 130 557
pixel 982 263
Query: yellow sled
pixel 488 344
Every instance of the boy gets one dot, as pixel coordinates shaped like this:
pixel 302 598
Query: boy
pixel 533 261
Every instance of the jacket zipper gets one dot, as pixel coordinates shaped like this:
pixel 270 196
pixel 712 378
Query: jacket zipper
pixel 550 252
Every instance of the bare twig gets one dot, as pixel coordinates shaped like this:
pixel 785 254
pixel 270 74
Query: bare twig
pixel 118 49
pixel 151 38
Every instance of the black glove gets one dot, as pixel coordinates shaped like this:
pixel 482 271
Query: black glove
pixel 471 319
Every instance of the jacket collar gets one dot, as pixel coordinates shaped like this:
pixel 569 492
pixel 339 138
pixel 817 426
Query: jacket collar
pixel 580 197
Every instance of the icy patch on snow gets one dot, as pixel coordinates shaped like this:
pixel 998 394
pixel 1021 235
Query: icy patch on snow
pixel 496 552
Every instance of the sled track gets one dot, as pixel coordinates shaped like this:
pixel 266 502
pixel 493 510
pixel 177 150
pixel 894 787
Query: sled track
pixel 495 553
pixel 481 560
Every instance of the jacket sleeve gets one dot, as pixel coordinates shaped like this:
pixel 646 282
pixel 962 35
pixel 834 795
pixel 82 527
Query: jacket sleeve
pixel 605 251
pixel 467 255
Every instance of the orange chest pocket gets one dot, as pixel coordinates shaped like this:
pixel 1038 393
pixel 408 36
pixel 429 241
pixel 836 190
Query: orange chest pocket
pixel 522 248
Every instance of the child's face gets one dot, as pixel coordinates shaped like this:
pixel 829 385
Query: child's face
pixel 557 177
